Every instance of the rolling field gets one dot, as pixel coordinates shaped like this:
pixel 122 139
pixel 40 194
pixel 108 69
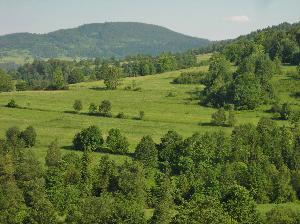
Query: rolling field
pixel 50 112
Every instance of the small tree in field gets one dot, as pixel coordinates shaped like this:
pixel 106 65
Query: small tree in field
pixel 77 106
pixel 105 108
pixel 92 108
pixel 112 77
pixel 116 142
pixel 12 104
pixel 88 139
pixel 219 117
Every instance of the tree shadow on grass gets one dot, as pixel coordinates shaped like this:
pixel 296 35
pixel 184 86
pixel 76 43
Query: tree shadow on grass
pixel 98 88
pixel 209 124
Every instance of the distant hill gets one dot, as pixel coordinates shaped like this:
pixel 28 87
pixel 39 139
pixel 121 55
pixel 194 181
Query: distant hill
pixel 112 39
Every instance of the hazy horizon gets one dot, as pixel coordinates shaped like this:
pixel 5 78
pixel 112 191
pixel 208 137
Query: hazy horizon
pixel 214 20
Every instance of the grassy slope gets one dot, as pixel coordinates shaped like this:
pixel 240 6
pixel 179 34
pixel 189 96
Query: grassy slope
pixel 48 112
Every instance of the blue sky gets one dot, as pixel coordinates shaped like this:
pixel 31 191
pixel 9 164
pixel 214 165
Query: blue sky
pixel 212 19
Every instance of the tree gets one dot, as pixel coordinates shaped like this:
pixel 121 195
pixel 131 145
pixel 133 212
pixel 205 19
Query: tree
pixel 146 152
pixel 116 142
pixel 202 210
pixel 28 136
pixel 112 77
pixel 247 91
pixel 105 108
pixel 13 136
pixel 6 83
pixel 88 139
pixel 58 79
pixel 76 76
pixel 53 156
pixel 92 108
pixel 77 105
pixel 231 118
pixel 219 117
pixel 239 205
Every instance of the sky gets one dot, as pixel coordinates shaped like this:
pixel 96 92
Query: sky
pixel 211 19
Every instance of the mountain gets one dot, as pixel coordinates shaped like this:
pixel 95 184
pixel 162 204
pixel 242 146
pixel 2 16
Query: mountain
pixel 111 39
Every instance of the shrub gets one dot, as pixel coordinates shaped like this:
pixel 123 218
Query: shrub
pixel 28 136
pixel 105 108
pixel 171 94
pixel 189 78
pixel 231 119
pixel 219 117
pixel 77 105
pixel 121 115
pixel 12 104
pixel 92 108
pixel 141 115
pixel 88 139
pixel 116 142
pixel 275 108
pixel 286 111
pixel 21 86
pixel 13 136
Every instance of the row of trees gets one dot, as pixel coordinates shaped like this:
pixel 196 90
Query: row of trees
pixel 56 74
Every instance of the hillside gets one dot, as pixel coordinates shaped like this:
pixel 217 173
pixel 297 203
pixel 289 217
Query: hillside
pixel 112 39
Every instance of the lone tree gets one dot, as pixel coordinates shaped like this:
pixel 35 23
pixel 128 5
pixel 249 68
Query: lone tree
pixel 12 104
pixel 116 142
pixel 112 76
pixel 105 108
pixel 219 117
pixel 77 106
pixel 88 139
pixel 146 152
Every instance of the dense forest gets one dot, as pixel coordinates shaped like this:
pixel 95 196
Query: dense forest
pixel 205 178
pixel 111 39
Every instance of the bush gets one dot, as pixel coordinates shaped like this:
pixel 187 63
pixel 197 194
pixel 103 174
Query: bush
pixel 12 104
pixel 141 115
pixel 116 142
pixel 121 115
pixel 28 136
pixel 280 215
pixel 88 139
pixel 92 108
pixel 231 119
pixel 105 108
pixel 21 86
pixel 171 94
pixel 219 117
pixel 275 109
pixel 286 111
pixel 77 105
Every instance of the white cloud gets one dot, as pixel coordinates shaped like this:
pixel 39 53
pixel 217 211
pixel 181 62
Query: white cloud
pixel 238 19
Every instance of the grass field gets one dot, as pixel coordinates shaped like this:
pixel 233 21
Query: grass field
pixel 50 111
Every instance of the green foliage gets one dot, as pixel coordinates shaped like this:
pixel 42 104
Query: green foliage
pixel 58 79
pixel 239 205
pixel 53 157
pixel 88 139
pixel 282 215
pixel 12 104
pixel 189 78
pixel 219 117
pixel 28 136
pixel 112 76
pixel 105 108
pixel 141 115
pixel 92 108
pixel 6 83
pixel 146 152
pixel 286 111
pixel 116 142
pixel 77 105
pixel 131 39
pixel 75 76
pixel 231 118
